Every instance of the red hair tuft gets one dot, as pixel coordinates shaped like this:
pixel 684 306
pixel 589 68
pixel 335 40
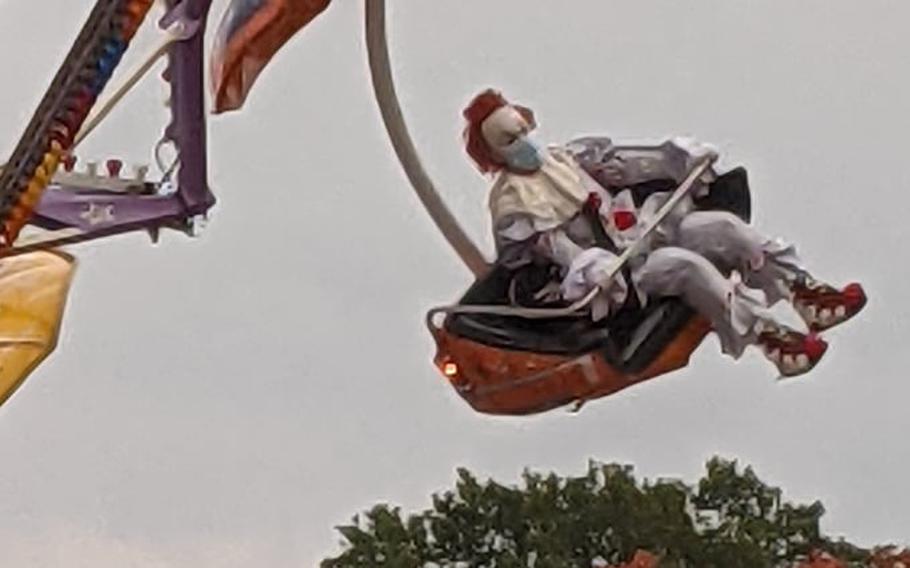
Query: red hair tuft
pixel 481 107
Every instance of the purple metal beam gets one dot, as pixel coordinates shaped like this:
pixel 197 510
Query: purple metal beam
pixel 101 212
pixel 186 70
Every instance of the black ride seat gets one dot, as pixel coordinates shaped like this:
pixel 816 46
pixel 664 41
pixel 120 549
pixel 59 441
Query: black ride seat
pixel 630 338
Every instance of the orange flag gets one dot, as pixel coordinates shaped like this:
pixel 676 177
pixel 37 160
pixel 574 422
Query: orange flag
pixel 251 32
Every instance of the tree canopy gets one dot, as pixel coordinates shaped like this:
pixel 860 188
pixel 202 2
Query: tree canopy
pixel 602 519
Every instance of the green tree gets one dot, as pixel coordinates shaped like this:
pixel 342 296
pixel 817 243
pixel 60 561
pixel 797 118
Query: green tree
pixel 729 519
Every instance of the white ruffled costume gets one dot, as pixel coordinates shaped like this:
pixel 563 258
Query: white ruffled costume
pixel 539 213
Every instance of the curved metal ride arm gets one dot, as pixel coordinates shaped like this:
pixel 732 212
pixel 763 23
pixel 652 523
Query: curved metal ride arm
pixel 384 89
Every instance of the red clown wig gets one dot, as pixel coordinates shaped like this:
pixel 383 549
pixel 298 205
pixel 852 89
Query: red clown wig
pixel 477 111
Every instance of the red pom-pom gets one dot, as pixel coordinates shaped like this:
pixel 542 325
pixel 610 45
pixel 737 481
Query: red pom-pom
pixel 593 202
pixel 113 167
pixel 624 219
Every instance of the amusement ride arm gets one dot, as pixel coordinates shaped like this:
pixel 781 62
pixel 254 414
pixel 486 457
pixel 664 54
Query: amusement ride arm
pixel 384 89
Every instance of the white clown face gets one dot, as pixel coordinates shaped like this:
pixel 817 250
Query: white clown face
pixel 506 131
pixel 503 127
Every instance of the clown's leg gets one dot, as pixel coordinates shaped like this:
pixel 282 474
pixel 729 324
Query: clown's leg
pixel 738 314
pixel 770 265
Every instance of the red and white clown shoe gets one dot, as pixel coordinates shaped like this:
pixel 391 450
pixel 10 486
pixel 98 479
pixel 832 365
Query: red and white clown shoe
pixel 792 352
pixel 822 306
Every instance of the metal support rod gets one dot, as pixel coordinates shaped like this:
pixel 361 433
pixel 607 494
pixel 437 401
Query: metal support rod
pixel 101 112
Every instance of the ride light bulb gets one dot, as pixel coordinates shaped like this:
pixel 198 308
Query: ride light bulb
pixel 114 167
pixel 450 369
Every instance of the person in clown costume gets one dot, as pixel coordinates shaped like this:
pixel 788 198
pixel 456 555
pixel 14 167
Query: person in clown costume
pixel 553 202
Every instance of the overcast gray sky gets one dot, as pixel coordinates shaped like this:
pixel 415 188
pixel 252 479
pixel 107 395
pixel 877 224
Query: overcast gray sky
pixel 225 401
